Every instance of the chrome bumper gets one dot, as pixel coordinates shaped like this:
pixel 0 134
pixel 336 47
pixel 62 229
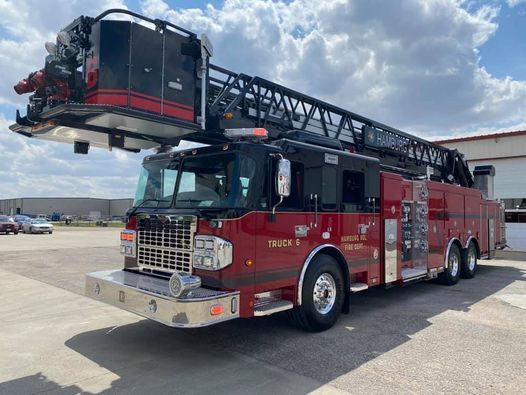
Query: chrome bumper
pixel 149 297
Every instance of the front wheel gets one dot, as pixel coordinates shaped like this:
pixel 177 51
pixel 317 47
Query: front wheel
pixel 451 274
pixel 469 262
pixel 322 295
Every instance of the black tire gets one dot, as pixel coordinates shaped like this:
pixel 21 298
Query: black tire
pixel 469 262
pixel 50 232
pixel 451 274
pixel 307 316
pixel 15 232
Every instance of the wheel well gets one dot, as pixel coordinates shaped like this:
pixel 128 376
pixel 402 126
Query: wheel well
pixel 338 257
pixel 457 243
pixel 451 243
pixel 475 241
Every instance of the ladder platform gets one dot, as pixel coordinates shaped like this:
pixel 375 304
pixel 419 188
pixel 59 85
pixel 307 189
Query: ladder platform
pixel 272 307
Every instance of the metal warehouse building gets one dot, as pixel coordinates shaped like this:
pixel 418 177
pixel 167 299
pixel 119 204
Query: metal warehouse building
pixel 507 153
pixel 81 207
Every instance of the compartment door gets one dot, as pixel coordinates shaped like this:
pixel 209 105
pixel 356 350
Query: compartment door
pixel 391 249
pixel 146 70
pixel 491 237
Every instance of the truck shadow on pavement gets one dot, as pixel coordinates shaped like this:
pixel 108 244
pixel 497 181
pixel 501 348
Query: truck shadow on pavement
pixel 151 357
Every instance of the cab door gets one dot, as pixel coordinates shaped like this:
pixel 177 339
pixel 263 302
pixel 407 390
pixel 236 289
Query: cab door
pixel 360 220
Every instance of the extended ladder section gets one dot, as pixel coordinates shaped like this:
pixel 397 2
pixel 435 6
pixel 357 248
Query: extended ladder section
pixel 244 101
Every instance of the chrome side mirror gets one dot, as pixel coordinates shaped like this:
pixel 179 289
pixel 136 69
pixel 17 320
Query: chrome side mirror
pixel 283 178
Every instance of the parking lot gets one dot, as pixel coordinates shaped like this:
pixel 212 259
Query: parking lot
pixel 469 338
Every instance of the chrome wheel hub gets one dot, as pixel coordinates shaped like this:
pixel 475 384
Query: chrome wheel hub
pixel 324 294
pixel 454 264
pixel 472 260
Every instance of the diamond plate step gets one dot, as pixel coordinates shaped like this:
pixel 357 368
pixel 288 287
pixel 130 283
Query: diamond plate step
pixel 272 307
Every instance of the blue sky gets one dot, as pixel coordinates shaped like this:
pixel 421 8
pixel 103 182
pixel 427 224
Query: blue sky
pixel 505 53
pixel 436 68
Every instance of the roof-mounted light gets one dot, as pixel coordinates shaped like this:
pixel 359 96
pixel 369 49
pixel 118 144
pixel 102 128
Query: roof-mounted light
pixel 254 133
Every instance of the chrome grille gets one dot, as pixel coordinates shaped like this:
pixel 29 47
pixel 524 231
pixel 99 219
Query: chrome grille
pixel 165 260
pixel 166 242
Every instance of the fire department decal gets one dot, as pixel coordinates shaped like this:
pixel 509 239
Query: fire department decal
pixel 353 242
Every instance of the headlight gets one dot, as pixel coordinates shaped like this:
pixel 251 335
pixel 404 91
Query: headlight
pixel 212 253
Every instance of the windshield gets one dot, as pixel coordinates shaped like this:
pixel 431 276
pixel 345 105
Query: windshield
pixel 156 184
pixel 223 180
pixel 39 221
pixel 219 180
pixel 5 218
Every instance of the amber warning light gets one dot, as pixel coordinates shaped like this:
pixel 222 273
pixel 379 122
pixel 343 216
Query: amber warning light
pixel 125 236
pixel 255 133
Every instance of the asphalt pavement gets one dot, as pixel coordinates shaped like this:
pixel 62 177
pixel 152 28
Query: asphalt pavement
pixel 423 338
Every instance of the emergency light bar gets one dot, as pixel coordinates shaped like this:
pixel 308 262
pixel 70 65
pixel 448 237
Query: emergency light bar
pixel 257 133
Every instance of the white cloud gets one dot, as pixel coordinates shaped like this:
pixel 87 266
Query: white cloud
pixel 483 131
pixel 513 3
pixel 414 64
pixel 37 168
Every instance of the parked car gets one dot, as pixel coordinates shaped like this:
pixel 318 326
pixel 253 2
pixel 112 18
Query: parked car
pixel 37 225
pixel 20 219
pixel 8 224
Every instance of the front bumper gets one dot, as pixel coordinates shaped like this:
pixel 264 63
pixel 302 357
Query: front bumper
pixel 42 230
pixel 150 297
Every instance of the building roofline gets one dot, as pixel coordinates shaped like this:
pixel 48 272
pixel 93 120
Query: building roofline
pixel 63 197
pixel 482 137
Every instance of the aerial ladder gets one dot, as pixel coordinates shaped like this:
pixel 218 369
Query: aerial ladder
pixel 86 108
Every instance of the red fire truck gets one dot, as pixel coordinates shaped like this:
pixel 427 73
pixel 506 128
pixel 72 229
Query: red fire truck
pixel 287 202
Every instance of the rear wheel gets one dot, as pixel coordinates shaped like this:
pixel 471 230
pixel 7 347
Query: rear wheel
pixel 322 295
pixel 451 274
pixel 469 262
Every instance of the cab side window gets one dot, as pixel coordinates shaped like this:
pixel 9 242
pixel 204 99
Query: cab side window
pixel 329 193
pixel 352 191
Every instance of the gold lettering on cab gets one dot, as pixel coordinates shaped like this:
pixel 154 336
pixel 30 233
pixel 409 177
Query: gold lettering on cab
pixel 353 246
pixel 353 242
pixel 283 243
